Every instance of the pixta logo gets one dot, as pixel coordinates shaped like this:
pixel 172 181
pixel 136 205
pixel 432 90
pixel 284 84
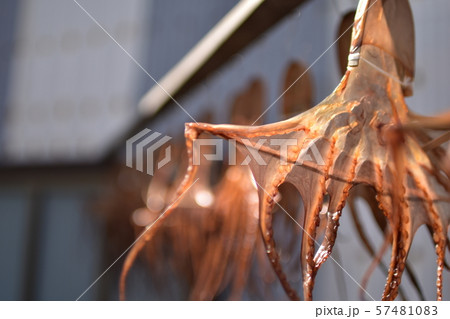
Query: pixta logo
pixel 214 150
pixel 143 146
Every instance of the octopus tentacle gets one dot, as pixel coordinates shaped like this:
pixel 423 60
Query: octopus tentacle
pixel 241 135
pixel 401 244
pixel 313 197
pixel 206 288
pixel 267 203
pixel 339 193
pixel 312 210
pixel 438 141
pixel 439 235
pixel 385 205
pixel 441 122
pixel 239 131
pixel 401 220
pixel 243 270
pixel 377 256
pixel 327 245
pixel 150 230
pixel 377 260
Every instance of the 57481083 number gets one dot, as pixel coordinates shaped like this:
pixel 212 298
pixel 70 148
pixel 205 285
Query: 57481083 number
pixel 407 310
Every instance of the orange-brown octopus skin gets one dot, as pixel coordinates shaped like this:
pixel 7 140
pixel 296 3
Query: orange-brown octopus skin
pixel 357 131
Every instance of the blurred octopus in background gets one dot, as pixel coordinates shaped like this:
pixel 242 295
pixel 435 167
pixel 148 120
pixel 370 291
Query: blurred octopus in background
pixel 212 245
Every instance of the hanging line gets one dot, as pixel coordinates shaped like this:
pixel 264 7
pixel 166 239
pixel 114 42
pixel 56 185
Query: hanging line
pixel 376 67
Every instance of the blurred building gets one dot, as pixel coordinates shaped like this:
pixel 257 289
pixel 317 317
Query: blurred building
pixel 69 92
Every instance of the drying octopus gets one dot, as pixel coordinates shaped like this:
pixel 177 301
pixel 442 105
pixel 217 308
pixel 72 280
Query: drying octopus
pixel 365 135
pixel 212 241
